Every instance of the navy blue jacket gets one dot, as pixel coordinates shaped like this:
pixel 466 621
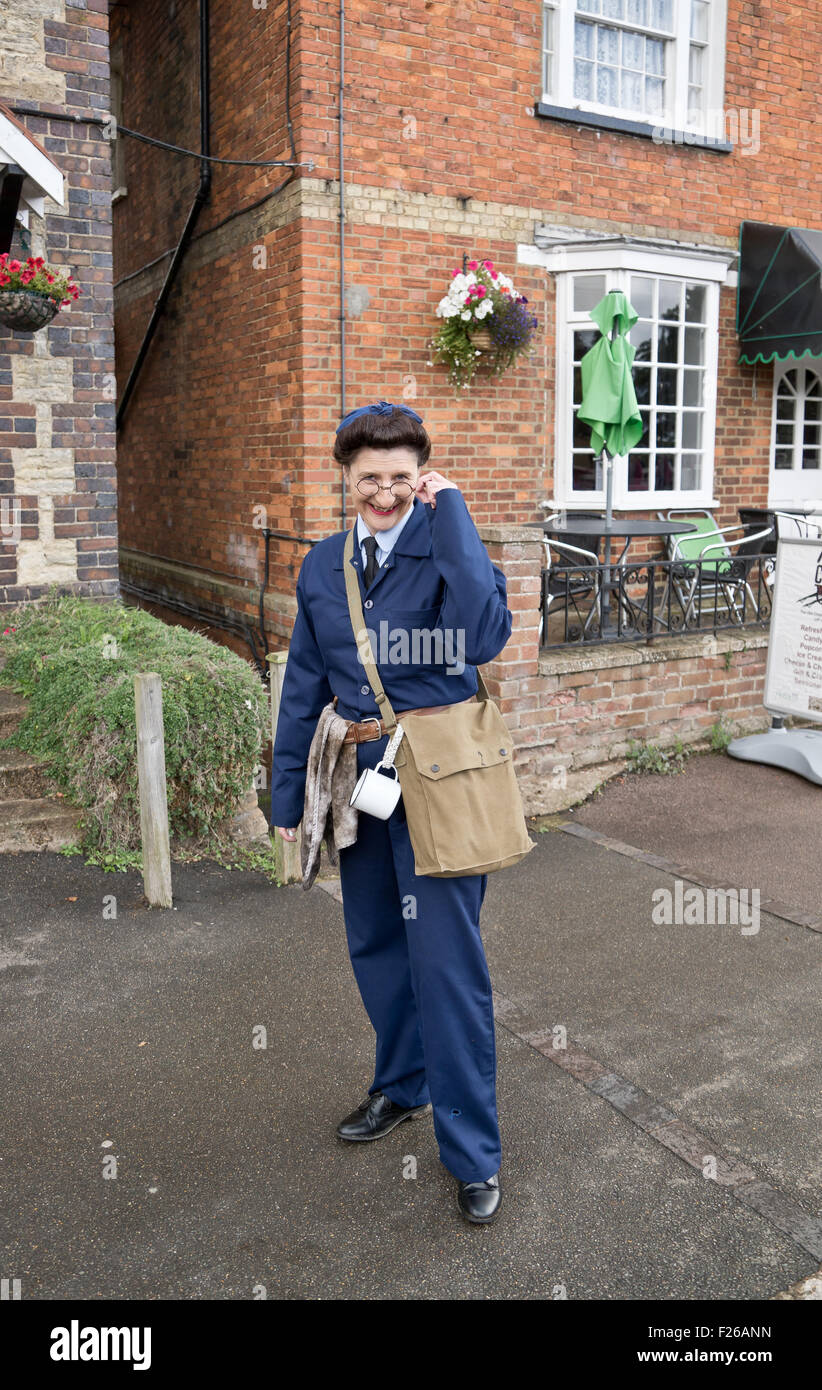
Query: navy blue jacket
pixel 438 578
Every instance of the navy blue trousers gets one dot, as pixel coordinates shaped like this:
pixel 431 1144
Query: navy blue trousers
pixel 420 967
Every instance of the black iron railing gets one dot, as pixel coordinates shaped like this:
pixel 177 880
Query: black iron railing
pixel 653 598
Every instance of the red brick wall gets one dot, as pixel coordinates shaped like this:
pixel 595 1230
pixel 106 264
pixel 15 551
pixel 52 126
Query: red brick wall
pixel 241 393
pixel 471 88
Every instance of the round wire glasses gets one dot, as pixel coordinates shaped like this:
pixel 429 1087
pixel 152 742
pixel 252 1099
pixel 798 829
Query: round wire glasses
pixel 369 488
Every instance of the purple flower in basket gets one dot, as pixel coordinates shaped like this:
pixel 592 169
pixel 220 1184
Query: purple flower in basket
pixel 512 324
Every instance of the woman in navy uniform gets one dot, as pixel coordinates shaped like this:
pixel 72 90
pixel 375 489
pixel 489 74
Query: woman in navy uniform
pixel 414 940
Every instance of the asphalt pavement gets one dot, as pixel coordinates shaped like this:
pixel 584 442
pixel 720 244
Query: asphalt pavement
pixel 172 1079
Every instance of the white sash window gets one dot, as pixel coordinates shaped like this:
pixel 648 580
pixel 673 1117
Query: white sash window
pixel 655 61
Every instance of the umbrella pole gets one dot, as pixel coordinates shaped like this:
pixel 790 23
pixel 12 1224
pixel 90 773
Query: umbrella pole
pixel 609 518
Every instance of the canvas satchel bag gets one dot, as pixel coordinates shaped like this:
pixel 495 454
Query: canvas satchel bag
pixel 459 789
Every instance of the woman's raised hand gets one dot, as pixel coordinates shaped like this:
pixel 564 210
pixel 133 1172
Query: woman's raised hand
pixel 429 484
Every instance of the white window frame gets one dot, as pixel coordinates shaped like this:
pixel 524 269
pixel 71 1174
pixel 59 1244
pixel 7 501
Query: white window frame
pixel 778 478
pixel 618 260
pixel 559 88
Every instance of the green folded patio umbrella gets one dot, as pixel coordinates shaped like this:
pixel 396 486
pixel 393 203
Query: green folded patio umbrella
pixel 609 404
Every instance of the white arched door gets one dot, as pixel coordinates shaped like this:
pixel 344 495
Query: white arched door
pixel 796 445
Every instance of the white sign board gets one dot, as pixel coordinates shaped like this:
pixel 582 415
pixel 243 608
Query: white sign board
pixel 793 679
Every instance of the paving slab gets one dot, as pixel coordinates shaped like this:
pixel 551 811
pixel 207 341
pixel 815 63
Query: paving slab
pixel 759 826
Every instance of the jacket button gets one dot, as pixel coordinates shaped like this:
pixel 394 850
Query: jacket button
pixel 369 603
pixel 502 750
pixel 435 767
pixel 364 689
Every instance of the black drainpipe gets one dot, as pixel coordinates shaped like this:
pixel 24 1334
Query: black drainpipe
pixel 200 198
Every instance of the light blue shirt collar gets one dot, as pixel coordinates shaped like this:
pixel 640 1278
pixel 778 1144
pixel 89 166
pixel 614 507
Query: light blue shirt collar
pixel 385 539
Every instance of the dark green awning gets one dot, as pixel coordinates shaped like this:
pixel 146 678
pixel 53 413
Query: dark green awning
pixel 779 297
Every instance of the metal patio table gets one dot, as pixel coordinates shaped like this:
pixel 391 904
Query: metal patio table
pixel 596 528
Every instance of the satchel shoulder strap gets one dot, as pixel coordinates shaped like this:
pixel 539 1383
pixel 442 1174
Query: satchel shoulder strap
pixel 357 616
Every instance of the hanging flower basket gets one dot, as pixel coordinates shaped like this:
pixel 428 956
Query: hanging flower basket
pixel 32 292
pixel 481 338
pixel 24 309
pixel 486 323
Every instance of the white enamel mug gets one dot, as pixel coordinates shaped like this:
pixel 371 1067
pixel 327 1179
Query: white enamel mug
pixel 376 794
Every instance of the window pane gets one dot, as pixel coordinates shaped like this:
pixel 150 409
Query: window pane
pixel 665 429
pixel 699 20
pixel 696 303
pixel 666 386
pixel 812 410
pixel 784 434
pixel 661 16
pixel 654 95
pixel 607 44
pixel 584 338
pixel 633 48
pixel 692 388
pixel 589 6
pixel 613 9
pixel 606 86
pixel 588 291
pixel 691 472
pixel 670 293
pixel 577 386
pixel 642 296
pixel 664 472
pixel 784 458
pixel 636 11
pixel 638 472
pixel 810 458
pixel 641 337
pixel 691 429
pixel 695 56
pixel 584 40
pixel 644 438
pixel 667 344
pixel 654 56
pixel 631 89
pixel 581 435
pixel 642 384
pixel 584 473
pixel 694 346
pixel 813 385
pixel 583 80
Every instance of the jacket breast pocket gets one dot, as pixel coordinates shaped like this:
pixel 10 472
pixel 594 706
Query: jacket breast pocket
pixel 410 640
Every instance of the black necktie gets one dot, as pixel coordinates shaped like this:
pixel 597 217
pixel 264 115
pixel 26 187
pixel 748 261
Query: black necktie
pixel 371 567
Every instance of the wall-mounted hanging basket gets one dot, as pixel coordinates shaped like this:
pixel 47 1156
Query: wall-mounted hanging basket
pixel 481 339
pixel 25 310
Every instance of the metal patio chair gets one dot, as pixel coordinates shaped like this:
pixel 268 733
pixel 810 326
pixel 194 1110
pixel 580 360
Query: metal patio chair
pixel 582 580
pixel 723 576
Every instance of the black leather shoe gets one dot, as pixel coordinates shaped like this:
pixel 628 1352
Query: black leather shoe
pixel 479 1202
pixel 375 1117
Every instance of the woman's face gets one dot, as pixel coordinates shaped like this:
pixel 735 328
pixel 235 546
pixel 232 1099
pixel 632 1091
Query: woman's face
pixel 383 509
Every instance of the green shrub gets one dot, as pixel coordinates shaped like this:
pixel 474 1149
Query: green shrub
pixel 75 660
pixel 646 757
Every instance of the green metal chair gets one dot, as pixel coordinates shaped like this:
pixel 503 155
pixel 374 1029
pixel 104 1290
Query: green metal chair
pixel 721 579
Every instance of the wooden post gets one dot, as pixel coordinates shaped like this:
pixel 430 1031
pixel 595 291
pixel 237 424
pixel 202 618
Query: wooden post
pixel 151 773
pixel 287 855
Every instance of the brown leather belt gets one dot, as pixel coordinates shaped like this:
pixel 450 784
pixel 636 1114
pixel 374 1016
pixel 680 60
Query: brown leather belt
pixel 373 728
